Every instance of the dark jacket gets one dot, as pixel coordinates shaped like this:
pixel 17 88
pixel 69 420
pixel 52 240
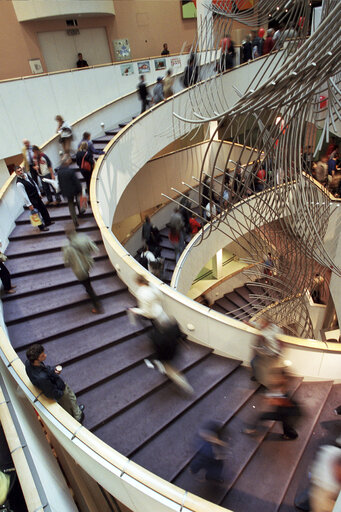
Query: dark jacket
pixel 70 186
pixel 45 379
pixel 88 158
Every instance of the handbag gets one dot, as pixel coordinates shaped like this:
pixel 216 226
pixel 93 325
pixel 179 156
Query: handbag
pixel 85 166
pixel 83 200
pixel 34 218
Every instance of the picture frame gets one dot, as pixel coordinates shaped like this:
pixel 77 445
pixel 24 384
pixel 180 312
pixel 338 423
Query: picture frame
pixel 36 66
pixel 143 67
pixel 159 64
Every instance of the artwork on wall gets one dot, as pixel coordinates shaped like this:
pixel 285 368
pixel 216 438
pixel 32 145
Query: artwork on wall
pixel 127 69
pixel 175 62
pixel 143 66
pixel 36 66
pixel 122 49
pixel 189 9
pixel 160 64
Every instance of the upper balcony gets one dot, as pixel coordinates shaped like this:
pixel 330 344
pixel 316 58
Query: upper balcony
pixel 39 9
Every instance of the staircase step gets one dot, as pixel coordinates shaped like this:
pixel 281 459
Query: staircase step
pixel 39 304
pixel 85 341
pixel 168 459
pixel 23 231
pixel 132 385
pixel 40 262
pixel 104 138
pixel 56 213
pixel 55 278
pixel 113 132
pixel 38 330
pixel 325 431
pixel 267 495
pixel 164 408
pixel 236 299
pixel 50 243
pixel 107 363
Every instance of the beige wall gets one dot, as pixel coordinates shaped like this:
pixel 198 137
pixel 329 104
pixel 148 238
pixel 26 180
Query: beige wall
pixel 146 23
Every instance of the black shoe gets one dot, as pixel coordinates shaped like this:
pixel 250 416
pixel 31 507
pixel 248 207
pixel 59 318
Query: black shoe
pixel 44 229
pixel 50 223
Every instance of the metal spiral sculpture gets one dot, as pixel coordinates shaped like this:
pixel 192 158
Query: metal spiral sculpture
pixel 273 120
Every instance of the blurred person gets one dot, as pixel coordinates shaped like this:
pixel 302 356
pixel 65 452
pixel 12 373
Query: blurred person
pixel 43 167
pixel 5 275
pixel 91 148
pixel 47 379
pixel 210 211
pixel 143 93
pixel 205 191
pixel 211 452
pixel 70 187
pixel 31 196
pixel 77 255
pixel 27 164
pixel 191 72
pixel 269 265
pixel 165 50
pixel 260 179
pixel 257 45
pixel 227 53
pixel 267 351
pixel 147 230
pixel 321 171
pixel 195 226
pixel 269 43
pixel 168 83
pixel 81 63
pixel 165 338
pixel 281 407
pixel 176 233
pixel 148 255
pixel 185 203
pixel 246 49
pixel 325 482
pixel 85 162
pixel 158 91
pixel 149 302
pixel 65 134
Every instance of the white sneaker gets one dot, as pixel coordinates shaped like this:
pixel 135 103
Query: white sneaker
pixel 160 366
pixel 149 364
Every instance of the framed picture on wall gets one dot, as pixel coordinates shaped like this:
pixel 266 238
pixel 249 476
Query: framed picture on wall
pixel 175 62
pixel 188 9
pixel 36 66
pixel 127 69
pixel 160 64
pixel 122 49
pixel 143 67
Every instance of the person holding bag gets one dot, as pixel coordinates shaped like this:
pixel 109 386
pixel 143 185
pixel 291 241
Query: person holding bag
pixel 85 162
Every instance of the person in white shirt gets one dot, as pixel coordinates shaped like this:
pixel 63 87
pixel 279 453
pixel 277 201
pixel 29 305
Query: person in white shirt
pixel 325 479
pixel 149 302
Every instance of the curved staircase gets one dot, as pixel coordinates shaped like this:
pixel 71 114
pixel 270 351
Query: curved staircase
pixel 137 410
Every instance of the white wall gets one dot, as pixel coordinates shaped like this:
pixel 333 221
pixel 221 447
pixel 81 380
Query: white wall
pixel 29 105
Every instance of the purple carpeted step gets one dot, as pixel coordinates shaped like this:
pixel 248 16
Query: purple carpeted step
pixel 56 213
pixel 132 385
pixel 112 132
pixel 236 299
pixel 237 392
pixel 218 308
pixel 168 254
pixel 107 363
pixel 244 293
pixel 276 459
pixel 104 138
pixel 40 262
pixel 326 431
pixel 85 341
pixel 230 308
pixel 166 458
pixel 48 244
pixel 54 300
pixel 163 407
pixel 23 231
pixel 51 325
pixel 99 145
pixel 55 278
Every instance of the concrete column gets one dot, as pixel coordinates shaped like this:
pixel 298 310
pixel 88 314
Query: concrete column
pixel 4 174
pixel 204 25
pixel 217 264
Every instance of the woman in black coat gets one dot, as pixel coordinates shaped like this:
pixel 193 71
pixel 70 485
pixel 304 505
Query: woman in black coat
pixel 85 162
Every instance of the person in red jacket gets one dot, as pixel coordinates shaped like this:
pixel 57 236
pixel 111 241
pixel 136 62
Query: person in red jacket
pixel 269 43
